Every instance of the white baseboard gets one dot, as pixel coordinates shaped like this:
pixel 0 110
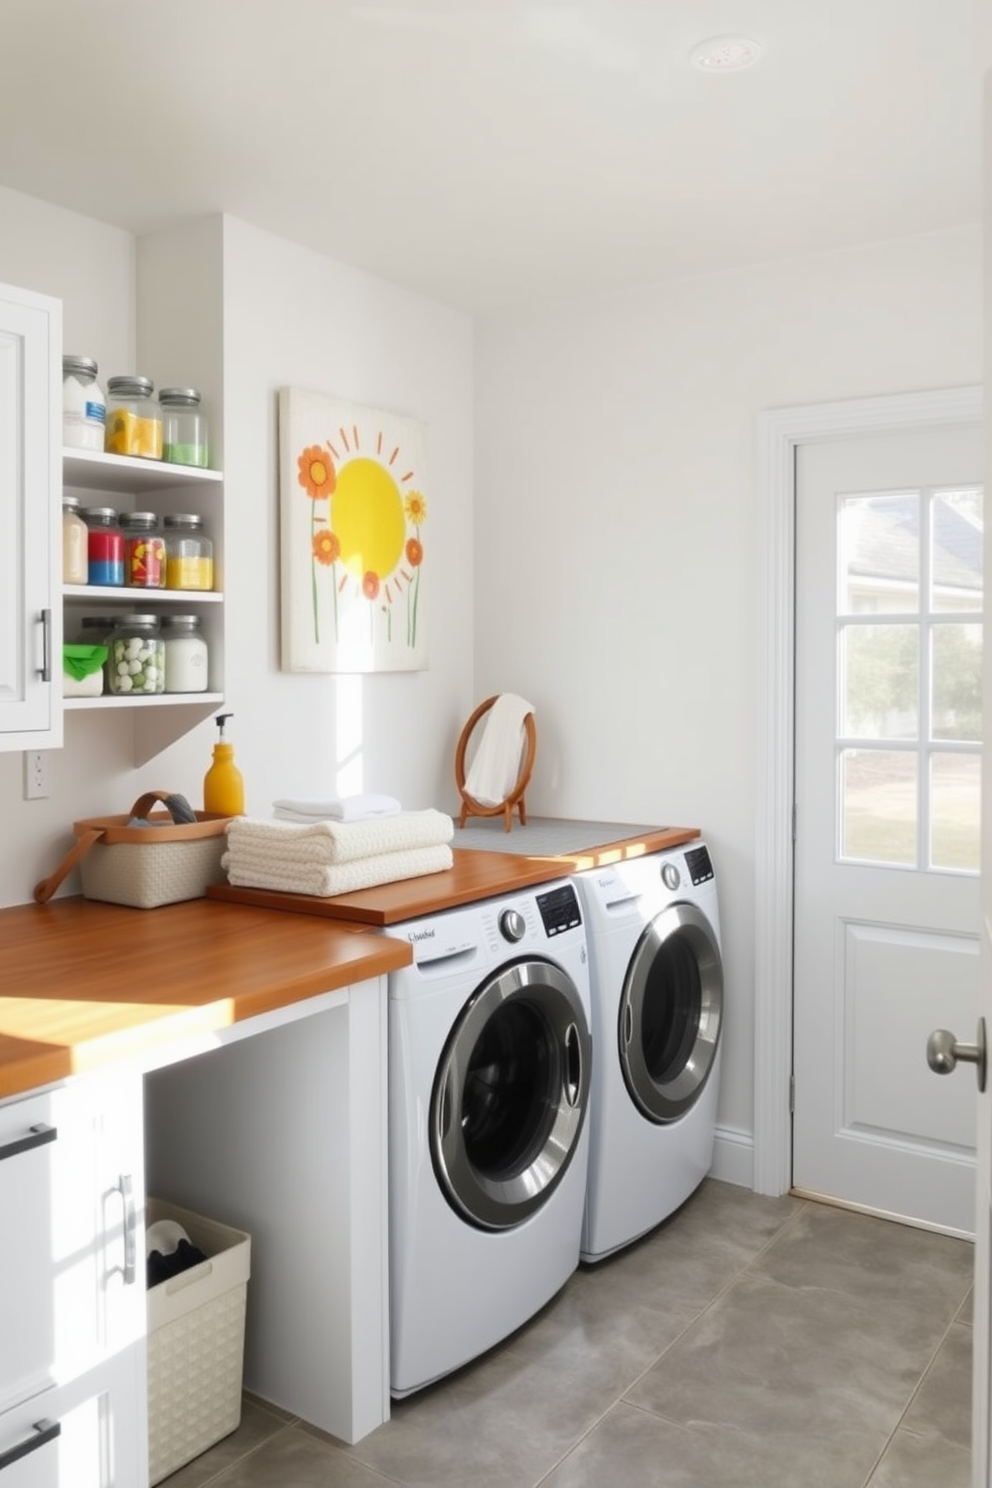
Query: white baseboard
pixel 733 1157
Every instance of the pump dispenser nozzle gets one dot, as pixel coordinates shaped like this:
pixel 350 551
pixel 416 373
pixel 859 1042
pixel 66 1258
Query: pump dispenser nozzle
pixel 223 784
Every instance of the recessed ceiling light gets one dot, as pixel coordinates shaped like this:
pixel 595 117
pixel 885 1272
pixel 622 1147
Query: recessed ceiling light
pixel 725 54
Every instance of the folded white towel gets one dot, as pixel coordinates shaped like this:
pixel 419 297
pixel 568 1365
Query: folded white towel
pixel 496 765
pixel 328 842
pixel 324 881
pixel 341 808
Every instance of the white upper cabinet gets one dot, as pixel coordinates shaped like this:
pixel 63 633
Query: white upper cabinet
pixel 30 495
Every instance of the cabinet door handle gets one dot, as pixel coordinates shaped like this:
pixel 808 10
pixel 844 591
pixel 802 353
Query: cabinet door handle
pixel 126 1190
pixel 46 632
pixel 44 1432
pixel 37 1137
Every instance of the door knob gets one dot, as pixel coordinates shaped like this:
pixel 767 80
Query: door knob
pixel 944 1052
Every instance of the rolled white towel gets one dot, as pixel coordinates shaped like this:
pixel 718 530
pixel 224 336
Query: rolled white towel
pixel 340 808
pixel 329 842
pixel 324 881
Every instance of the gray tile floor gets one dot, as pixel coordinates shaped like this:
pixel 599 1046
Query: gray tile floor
pixel 748 1341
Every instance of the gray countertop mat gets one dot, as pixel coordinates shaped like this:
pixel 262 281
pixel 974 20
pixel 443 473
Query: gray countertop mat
pixel 542 837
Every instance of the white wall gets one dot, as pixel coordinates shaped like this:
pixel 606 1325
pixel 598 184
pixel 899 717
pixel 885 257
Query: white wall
pixel 615 519
pixel 288 317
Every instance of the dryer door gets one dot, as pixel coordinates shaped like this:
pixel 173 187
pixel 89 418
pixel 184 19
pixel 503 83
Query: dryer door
pixel 510 1094
pixel 671 1012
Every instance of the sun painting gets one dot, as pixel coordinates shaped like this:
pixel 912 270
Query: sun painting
pixel 353 507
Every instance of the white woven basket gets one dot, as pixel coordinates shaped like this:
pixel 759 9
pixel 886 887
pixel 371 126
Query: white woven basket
pixel 196 1341
pixel 148 865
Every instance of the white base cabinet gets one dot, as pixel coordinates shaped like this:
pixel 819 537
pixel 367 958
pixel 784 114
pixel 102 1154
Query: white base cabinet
pixel 72 1300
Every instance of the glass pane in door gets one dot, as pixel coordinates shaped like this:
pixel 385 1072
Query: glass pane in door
pixel 955 811
pixel 956 525
pixel 880 691
pixel 956 681
pixel 879 550
pixel 879 805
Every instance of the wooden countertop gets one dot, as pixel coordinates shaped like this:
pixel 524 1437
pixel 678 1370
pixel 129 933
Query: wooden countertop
pixel 474 875
pixel 83 984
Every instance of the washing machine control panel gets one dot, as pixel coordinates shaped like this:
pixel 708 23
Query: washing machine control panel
pixel 698 863
pixel 512 924
pixel 559 909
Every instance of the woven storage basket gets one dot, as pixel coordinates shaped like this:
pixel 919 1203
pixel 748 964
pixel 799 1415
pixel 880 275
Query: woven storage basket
pixel 143 867
pixel 196 1344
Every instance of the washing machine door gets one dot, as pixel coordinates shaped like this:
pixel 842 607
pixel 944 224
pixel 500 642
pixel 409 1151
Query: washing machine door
pixel 510 1094
pixel 671 1012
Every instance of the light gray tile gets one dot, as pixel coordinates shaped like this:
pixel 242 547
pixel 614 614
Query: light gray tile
pixel 602 1333
pixel 297 1458
pixel 913 1461
pixel 942 1405
pixel 806 1370
pixel 871 1260
pixel 690 1257
pixel 259 1422
pixel 503 1422
pixel 632 1448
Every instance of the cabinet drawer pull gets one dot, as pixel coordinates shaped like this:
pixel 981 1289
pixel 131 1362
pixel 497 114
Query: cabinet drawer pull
pixel 44 1432
pixel 126 1190
pixel 37 1137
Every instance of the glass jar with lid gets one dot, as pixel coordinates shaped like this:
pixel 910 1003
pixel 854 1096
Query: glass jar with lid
pixel 134 419
pixel 184 427
pixel 104 546
pixel 144 550
pixel 136 664
pixel 84 410
pixel 75 543
pixel 187 660
pixel 189 553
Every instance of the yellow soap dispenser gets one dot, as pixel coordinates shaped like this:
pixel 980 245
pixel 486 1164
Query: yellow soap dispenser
pixel 223 784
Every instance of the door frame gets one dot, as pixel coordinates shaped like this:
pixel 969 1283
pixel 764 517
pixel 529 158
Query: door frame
pixel 780 431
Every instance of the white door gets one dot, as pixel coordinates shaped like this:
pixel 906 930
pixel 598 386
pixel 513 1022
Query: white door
pixel 888 730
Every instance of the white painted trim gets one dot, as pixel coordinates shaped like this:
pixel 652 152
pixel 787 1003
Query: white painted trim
pixel 733 1156
pixel 779 432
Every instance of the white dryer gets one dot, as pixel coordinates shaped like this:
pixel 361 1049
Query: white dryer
pixel 657 987
pixel 489 1083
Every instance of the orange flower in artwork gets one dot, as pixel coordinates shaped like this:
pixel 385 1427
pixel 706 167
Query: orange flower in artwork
pixel 370 585
pixel 415 506
pixel 316 472
pixel 414 552
pixel 326 547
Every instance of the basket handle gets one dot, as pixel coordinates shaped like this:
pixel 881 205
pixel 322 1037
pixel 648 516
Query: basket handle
pixel 44 890
pixel 177 806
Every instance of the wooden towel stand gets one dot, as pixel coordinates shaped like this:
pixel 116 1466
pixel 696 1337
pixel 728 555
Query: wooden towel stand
pixel 470 806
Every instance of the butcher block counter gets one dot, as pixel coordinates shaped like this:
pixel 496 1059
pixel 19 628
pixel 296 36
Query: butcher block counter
pixel 488 861
pixel 84 984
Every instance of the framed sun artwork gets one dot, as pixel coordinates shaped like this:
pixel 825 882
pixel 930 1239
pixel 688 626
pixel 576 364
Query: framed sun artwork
pixel 352 484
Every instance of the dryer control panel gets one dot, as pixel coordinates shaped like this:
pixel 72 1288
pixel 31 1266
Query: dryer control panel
pixel 559 909
pixel 698 863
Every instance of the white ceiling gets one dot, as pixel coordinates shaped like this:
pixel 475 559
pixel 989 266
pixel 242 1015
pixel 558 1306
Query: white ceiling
pixel 489 153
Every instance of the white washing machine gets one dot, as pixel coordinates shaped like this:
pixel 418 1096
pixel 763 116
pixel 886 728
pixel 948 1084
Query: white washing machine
pixel 490 1059
pixel 657 987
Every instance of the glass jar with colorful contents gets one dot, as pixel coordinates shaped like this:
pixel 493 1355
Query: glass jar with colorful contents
pixel 134 419
pixel 189 553
pixel 136 664
pixel 144 551
pixel 104 546
pixel 184 427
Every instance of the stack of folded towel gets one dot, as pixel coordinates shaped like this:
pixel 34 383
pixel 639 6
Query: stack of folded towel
pixel 322 855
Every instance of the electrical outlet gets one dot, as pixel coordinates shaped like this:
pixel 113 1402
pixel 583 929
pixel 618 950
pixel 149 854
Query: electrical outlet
pixel 35 775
